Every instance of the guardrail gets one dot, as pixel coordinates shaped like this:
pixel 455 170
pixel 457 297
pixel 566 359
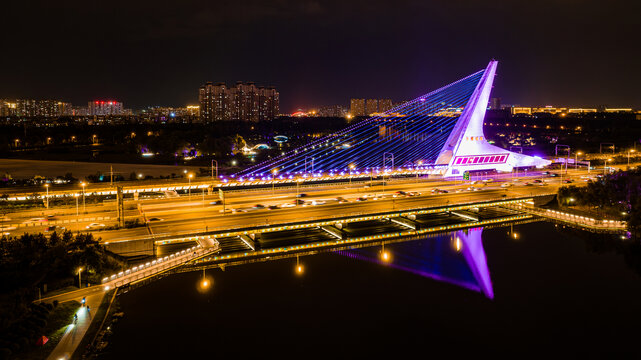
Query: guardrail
pixel 584 221
pixel 155 267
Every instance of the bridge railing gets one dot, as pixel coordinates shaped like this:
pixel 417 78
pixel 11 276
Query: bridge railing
pixel 157 266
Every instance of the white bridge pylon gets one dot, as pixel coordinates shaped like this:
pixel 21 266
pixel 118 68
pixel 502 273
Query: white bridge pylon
pixel 466 149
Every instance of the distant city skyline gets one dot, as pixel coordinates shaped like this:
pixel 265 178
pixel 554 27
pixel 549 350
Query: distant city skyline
pixel 321 53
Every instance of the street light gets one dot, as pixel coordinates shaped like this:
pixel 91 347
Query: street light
pixel 576 157
pixel 79 278
pixel 47 198
pixel 84 208
pixel 351 168
pixel 605 165
pixel 212 168
pixel 630 151
pixel 420 162
pixel 189 176
pixel 274 172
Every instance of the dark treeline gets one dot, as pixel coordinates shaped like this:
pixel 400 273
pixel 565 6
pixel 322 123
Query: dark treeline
pixel 32 261
pixel 66 140
pixel 617 195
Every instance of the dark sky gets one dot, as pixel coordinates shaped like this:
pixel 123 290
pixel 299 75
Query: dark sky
pixel 557 52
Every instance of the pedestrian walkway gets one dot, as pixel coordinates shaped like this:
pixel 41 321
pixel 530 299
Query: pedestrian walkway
pixel 573 219
pixel 75 332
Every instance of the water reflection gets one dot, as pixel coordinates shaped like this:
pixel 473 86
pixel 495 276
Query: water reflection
pixel 457 258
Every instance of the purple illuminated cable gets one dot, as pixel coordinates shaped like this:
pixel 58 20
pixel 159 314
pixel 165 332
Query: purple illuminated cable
pixel 319 143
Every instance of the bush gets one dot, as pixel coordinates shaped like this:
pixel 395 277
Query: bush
pixel 55 303
pixel 5 353
pixel 23 342
pixel 49 306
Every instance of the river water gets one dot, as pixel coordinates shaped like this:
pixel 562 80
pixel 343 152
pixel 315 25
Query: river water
pixel 550 292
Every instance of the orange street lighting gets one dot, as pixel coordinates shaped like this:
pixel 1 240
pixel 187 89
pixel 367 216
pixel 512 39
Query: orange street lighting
pixel 84 208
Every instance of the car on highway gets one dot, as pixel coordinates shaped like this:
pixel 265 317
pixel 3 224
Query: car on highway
pixel 567 181
pixel 301 195
pixel 318 202
pixel 272 207
pixel 33 220
pixel 553 175
pixel 237 210
pixel 361 198
pixel 287 205
pixel 537 181
pixel 341 200
pixel 54 228
pixel 399 193
pixel 258 206
pixel 504 185
pixel 154 219
pixel 216 202
pixel 95 226
pixel 527 184
pixel 413 193
pixel 299 202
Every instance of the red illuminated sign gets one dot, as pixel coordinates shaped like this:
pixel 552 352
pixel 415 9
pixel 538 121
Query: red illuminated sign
pixel 480 159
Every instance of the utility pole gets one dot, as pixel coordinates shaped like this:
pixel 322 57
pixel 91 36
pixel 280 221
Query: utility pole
pixel 111 171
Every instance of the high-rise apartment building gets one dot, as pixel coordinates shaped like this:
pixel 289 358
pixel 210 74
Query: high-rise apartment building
pixel 32 108
pixel 357 107
pixel 384 105
pixel 244 101
pixel 371 106
pixel 331 111
pixel 99 107
pixel 361 107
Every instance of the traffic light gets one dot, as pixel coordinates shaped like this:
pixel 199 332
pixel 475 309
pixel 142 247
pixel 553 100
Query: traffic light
pixel 466 175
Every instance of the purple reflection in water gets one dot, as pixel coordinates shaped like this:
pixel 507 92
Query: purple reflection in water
pixel 457 258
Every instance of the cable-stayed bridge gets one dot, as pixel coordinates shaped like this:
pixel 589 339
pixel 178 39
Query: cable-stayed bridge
pixel 440 132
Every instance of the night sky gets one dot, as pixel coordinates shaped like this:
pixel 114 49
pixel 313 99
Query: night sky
pixel 157 53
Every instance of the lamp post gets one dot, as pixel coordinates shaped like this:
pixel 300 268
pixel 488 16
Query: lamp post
pixel 84 208
pixel 630 151
pixel 420 162
pixel 605 165
pixel 77 218
pixel 351 168
pixel 189 176
pixel 79 278
pixel 274 172
pixel 576 158
pixel 47 198
pixel 212 168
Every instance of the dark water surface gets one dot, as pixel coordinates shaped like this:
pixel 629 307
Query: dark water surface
pixel 546 294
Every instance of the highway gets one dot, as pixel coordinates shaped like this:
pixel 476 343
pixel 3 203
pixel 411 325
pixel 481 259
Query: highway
pixel 188 214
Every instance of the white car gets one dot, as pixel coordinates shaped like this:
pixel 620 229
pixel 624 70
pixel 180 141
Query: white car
pixel 95 226
pixel 32 220
pixel 318 202
pixel 287 205
pixel 506 185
